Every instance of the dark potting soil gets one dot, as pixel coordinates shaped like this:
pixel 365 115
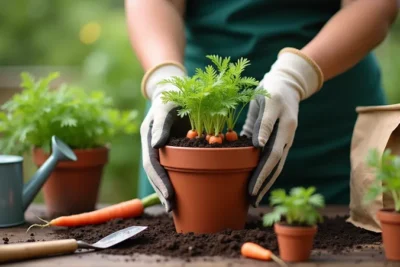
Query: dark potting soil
pixel 334 235
pixel 243 141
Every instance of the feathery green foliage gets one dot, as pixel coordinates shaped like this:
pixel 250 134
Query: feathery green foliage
pixel 211 97
pixel 80 119
pixel 299 207
pixel 387 172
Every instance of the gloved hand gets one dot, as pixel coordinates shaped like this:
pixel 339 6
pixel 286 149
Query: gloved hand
pixel 272 121
pixel 155 128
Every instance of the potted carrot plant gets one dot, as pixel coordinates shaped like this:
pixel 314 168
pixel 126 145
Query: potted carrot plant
pixel 209 168
pixel 387 182
pixel 84 120
pixel 295 217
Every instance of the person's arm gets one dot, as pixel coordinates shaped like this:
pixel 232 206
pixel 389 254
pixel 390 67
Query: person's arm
pixel 353 32
pixel 156 30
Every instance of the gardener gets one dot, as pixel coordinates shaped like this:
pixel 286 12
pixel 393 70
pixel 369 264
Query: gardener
pixel 313 57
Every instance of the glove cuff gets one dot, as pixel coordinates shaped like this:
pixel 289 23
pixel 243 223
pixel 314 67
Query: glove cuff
pixel 158 73
pixel 301 69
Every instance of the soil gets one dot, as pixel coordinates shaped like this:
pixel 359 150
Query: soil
pixel 334 235
pixel 243 141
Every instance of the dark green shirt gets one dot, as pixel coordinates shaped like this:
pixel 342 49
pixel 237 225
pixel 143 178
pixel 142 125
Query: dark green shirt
pixel 257 30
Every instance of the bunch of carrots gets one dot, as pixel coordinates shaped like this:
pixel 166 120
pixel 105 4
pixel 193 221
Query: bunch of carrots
pixel 214 98
pixel 127 209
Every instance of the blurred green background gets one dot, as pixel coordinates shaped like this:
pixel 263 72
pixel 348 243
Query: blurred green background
pixel 87 41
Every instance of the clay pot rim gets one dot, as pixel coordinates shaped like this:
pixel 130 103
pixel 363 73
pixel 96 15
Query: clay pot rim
pixel 282 228
pixel 81 150
pixel 85 157
pixel 389 216
pixel 211 148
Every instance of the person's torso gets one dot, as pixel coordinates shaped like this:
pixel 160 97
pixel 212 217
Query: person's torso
pixel 257 30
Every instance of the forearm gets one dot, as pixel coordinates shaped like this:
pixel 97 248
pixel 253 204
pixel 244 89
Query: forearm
pixel 353 32
pixel 156 30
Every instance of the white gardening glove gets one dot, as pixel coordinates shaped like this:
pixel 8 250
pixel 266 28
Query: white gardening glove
pixel 272 122
pixel 156 126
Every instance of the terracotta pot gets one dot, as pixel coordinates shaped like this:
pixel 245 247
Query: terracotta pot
pixel 295 242
pixel 73 186
pixel 390 223
pixel 210 186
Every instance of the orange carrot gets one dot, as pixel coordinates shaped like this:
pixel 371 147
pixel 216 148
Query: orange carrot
pixel 215 140
pixel 255 251
pixel 221 135
pixel 192 134
pixel 126 209
pixel 208 136
pixel 231 136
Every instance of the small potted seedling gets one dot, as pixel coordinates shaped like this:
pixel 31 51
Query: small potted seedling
pixel 86 121
pixel 387 173
pixel 295 217
pixel 209 170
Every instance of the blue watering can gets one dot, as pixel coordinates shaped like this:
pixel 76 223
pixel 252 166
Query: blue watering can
pixel 15 197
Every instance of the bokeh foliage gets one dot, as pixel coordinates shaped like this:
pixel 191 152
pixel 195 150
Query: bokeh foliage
pixel 91 36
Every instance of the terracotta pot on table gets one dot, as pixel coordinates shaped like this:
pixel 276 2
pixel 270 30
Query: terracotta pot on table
pixel 390 223
pixel 73 186
pixel 295 242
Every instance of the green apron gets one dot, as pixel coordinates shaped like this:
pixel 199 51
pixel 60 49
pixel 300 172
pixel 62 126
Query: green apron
pixel 257 30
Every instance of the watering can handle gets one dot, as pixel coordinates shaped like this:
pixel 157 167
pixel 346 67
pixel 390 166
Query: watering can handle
pixel 23 251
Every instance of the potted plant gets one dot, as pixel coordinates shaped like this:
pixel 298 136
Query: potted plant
pixel 295 217
pixel 209 168
pixel 84 121
pixel 387 173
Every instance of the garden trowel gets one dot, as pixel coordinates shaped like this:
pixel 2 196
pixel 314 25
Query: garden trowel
pixel 23 251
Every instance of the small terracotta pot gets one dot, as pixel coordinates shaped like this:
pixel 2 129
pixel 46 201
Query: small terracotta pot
pixel 73 186
pixel 210 186
pixel 295 242
pixel 390 223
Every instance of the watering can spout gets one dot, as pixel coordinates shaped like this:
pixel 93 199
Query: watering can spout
pixel 60 152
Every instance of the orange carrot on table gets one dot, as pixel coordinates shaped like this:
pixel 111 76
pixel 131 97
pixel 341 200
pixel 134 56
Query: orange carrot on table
pixel 126 209
pixel 255 251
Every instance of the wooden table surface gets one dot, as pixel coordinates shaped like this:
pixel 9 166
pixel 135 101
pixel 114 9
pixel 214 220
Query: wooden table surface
pixel 370 258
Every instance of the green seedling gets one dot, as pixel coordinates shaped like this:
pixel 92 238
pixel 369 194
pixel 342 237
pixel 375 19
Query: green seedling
pixel 387 173
pixel 300 207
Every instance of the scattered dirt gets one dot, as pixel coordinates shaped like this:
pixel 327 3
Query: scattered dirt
pixel 5 240
pixel 243 141
pixel 334 235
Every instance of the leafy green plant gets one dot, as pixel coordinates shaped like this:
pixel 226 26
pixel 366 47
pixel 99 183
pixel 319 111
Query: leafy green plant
pixel 81 119
pixel 298 208
pixel 213 98
pixel 387 173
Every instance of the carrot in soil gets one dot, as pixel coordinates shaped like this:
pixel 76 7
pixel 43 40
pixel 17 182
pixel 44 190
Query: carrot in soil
pixel 208 136
pixel 215 140
pixel 126 209
pixel 231 136
pixel 221 135
pixel 255 251
pixel 192 134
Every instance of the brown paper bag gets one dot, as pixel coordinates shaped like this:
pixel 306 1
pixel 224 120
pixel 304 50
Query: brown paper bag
pixel 376 127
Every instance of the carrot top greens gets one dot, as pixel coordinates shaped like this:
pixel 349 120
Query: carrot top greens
pixel 387 173
pixel 214 97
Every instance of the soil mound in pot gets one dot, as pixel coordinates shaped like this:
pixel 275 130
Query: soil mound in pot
pixel 242 141
pixel 334 235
